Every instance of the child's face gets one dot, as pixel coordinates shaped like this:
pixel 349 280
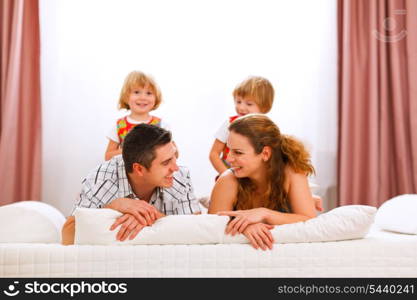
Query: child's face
pixel 141 100
pixel 246 106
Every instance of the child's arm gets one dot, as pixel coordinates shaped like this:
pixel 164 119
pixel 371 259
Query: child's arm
pixel 215 152
pixel 112 150
pixel 318 203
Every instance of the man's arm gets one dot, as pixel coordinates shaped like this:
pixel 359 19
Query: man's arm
pixel 68 231
pixel 146 213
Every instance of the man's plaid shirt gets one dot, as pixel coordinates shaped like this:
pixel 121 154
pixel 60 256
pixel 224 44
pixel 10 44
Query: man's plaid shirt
pixel 109 181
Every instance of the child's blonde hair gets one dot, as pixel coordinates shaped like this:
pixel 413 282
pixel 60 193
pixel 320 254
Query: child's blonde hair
pixel 259 89
pixel 137 79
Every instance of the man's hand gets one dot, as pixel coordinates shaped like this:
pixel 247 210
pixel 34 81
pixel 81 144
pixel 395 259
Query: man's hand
pixel 144 213
pixel 260 236
pixel 130 227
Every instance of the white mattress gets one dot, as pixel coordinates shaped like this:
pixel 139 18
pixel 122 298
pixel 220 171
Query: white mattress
pixel 380 254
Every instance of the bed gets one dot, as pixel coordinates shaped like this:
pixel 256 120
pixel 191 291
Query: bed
pixel 345 242
pixel 379 254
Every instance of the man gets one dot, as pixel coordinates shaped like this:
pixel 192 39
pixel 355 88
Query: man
pixel 144 184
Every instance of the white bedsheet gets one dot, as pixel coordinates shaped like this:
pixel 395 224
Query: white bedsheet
pixel 380 254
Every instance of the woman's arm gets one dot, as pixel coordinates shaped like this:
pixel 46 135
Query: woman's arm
pixel 223 198
pixel 214 156
pixel 224 193
pixel 112 150
pixel 300 199
pixel 301 203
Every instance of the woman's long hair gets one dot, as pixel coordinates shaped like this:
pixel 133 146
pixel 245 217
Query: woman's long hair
pixel 286 151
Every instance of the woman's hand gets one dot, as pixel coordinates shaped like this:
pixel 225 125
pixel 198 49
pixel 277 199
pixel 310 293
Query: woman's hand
pixel 260 236
pixel 243 218
pixel 130 227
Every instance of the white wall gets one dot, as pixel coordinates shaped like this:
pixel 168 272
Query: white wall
pixel 198 52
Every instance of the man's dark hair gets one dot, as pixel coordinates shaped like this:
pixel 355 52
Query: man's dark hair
pixel 140 144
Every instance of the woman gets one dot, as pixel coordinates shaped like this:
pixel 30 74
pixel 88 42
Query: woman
pixel 267 183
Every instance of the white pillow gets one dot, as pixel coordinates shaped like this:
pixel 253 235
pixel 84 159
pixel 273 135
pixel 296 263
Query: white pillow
pixel 30 222
pixel 92 226
pixel 398 214
pixel 342 223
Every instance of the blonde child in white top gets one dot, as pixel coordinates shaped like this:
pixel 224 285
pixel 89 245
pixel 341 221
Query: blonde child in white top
pixel 140 95
pixel 254 95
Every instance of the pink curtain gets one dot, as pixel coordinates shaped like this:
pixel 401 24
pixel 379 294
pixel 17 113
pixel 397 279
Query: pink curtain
pixel 20 101
pixel 377 100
